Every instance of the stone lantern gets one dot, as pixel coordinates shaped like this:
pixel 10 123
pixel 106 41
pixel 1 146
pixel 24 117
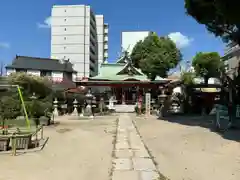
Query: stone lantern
pixel 162 98
pixel 89 99
pixel 75 106
pixel 55 106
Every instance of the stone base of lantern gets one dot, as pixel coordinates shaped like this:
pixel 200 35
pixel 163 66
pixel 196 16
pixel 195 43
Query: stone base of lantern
pixel 55 113
pixel 75 113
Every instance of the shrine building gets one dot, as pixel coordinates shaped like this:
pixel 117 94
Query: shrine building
pixel 125 81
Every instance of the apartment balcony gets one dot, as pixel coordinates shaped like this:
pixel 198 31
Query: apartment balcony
pixel 106 55
pixel 105 46
pixel 105 30
pixel 105 38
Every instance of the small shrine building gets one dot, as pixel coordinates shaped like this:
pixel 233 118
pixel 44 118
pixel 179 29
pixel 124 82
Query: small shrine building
pixel 126 82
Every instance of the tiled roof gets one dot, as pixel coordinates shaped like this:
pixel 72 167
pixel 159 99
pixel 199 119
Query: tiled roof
pixel 36 63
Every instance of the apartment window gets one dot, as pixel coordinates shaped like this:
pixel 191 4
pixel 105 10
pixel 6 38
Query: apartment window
pixel 64 47
pixel 65 10
pixel 65 20
pixel 65 29
pixel 65 38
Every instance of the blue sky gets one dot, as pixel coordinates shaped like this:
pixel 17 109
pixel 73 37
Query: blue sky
pixel 20 33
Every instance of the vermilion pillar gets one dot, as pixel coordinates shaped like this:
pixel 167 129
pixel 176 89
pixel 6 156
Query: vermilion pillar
pixel 123 96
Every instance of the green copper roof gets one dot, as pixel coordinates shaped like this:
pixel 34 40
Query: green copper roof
pixel 124 58
pixel 121 71
pixel 109 71
pixel 129 69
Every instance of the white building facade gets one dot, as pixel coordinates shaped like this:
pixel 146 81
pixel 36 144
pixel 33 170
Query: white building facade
pixel 78 35
pixel 102 38
pixel 130 38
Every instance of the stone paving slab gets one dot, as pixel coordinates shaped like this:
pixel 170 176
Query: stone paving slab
pixel 123 153
pixel 125 175
pixel 122 164
pixel 149 175
pixel 122 145
pixel 141 153
pixel 131 159
pixel 143 164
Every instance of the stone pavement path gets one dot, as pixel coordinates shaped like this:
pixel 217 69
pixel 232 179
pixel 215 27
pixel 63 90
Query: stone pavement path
pixel 131 159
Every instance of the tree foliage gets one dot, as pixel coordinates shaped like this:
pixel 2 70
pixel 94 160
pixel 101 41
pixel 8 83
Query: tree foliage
pixel 11 106
pixel 187 78
pixel 155 56
pixel 207 65
pixel 31 84
pixel 220 17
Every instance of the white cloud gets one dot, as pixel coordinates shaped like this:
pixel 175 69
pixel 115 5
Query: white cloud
pixel 4 45
pixel 45 24
pixel 181 40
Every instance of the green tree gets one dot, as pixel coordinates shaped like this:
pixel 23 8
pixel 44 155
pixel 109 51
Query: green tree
pixel 155 56
pixel 207 65
pixel 10 104
pixel 187 78
pixel 31 84
pixel 137 54
pixel 220 17
pixel 9 108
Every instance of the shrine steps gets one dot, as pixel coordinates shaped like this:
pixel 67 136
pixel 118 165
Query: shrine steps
pixel 124 108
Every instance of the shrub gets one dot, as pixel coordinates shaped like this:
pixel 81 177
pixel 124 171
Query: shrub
pixel 9 107
pixel 137 109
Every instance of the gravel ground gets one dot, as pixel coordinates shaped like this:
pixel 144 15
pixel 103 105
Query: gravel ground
pixel 187 151
pixel 75 150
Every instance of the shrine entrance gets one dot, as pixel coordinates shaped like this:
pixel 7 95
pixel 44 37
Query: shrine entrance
pixel 127 95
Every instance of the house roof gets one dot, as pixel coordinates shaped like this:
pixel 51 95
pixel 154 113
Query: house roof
pixel 36 63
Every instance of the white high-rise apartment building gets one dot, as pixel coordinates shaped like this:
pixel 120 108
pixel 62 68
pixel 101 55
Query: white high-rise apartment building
pixel 80 36
pixel 130 38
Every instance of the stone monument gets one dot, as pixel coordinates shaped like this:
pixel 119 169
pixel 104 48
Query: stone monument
pixel 148 103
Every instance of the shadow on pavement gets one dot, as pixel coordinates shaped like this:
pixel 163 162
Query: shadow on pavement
pixel 205 122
